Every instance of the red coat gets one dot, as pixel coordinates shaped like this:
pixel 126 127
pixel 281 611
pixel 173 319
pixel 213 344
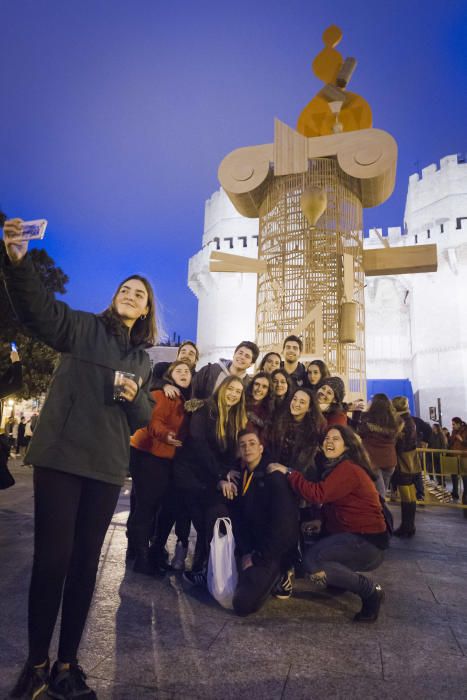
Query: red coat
pixel 349 497
pixel 335 417
pixel 168 416
pixel 379 442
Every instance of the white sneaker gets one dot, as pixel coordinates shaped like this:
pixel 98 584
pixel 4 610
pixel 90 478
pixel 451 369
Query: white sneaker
pixel 178 559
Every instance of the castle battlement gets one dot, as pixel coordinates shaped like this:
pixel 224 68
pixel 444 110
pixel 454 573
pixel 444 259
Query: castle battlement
pixel 446 164
pixel 443 231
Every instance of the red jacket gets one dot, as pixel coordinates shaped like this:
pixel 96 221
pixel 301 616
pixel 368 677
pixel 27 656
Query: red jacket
pixel 335 417
pixel 379 442
pixel 349 497
pixel 168 416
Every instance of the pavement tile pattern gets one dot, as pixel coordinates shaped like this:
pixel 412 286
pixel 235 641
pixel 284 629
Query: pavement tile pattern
pixel 150 639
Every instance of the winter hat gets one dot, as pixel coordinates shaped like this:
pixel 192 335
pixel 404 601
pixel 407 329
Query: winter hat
pixel 337 385
pixel 401 404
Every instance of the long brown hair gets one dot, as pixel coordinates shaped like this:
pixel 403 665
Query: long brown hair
pixel 355 451
pixel 144 330
pixel 229 422
pixel 382 412
pixel 310 429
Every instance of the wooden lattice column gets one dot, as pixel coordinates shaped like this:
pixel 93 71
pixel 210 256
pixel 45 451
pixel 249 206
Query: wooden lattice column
pixel 311 268
pixel 305 267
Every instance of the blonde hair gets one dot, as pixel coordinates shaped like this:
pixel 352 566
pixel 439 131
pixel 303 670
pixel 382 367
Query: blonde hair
pixel 229 420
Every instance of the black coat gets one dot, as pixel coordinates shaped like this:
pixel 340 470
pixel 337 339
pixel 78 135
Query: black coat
pixel 81 429
pixel 265 519
pixel 201 463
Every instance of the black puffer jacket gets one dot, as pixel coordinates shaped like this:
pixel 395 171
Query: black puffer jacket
pixel 81 429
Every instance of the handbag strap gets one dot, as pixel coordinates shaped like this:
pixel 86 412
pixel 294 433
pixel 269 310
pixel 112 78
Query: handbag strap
pixel 227 524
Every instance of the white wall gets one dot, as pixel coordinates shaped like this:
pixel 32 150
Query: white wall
pixel 226 301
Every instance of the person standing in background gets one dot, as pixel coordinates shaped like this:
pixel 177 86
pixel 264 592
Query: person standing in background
pixel 458 441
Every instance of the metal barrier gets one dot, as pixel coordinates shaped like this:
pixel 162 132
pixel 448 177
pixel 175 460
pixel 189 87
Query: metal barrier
pixel 438 466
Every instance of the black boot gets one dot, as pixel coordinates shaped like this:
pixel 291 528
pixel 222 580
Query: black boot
pixel 160 558
pixel 200 556
pixel 130 551
pixel 371 606
pixel 411 512
pixel 143 562
pixel 407 526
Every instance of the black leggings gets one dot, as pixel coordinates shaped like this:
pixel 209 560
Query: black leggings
pixel 150 476
pixel 203 508
pixel 71 515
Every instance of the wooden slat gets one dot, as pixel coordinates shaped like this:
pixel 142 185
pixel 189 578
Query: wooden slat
pixel 400 261
pixel 225 262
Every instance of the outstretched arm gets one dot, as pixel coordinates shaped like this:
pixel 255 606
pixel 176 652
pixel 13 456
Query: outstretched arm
pixel 48 319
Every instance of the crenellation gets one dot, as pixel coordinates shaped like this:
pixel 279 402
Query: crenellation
pixel 453 162
pixel 429 170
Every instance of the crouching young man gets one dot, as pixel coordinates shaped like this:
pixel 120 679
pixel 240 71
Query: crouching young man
pixel 265 523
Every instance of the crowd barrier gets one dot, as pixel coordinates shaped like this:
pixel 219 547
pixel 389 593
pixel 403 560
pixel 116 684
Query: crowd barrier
pixel 439 468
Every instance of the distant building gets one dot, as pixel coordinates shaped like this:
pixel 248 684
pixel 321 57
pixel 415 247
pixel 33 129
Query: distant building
pixel 416 325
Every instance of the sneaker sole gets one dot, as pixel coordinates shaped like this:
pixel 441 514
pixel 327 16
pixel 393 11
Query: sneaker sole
pixel 282 596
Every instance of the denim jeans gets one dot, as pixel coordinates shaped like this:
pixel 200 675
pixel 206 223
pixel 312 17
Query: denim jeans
pixel 340 556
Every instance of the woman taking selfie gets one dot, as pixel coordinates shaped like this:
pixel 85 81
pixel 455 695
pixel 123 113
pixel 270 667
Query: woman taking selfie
pixel 80 453
pixel 353 531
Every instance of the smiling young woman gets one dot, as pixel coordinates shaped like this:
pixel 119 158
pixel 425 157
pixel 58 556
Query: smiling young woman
pixel 295 435
pixel 80 453
pixel 207 456
pixel 354 534
pixel 259 403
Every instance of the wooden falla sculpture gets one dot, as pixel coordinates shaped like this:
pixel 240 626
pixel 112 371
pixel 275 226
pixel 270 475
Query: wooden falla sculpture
pixel 308 189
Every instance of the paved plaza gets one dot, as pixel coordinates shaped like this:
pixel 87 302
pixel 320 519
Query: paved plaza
pixel 153 639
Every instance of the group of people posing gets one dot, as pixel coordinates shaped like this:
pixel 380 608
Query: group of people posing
pixel 275 451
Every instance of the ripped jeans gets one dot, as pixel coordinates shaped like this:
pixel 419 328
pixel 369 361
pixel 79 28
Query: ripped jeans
pixel 335 560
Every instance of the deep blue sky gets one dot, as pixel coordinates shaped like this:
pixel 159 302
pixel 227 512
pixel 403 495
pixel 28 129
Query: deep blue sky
pixel 115 116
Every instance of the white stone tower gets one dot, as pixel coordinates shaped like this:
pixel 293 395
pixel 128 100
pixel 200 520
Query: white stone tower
pixel 416 325
pixel 227 301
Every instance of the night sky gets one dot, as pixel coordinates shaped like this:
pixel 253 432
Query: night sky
pixel 115 116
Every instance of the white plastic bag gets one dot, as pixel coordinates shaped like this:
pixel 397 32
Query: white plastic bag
pixel 222 567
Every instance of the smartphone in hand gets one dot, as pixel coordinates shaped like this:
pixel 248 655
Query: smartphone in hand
pixel 33 230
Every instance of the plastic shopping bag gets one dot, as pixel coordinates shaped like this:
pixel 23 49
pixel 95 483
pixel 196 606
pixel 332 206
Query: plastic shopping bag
pixel 222 567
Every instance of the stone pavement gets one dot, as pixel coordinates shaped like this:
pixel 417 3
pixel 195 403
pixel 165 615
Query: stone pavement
pixel 158 639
